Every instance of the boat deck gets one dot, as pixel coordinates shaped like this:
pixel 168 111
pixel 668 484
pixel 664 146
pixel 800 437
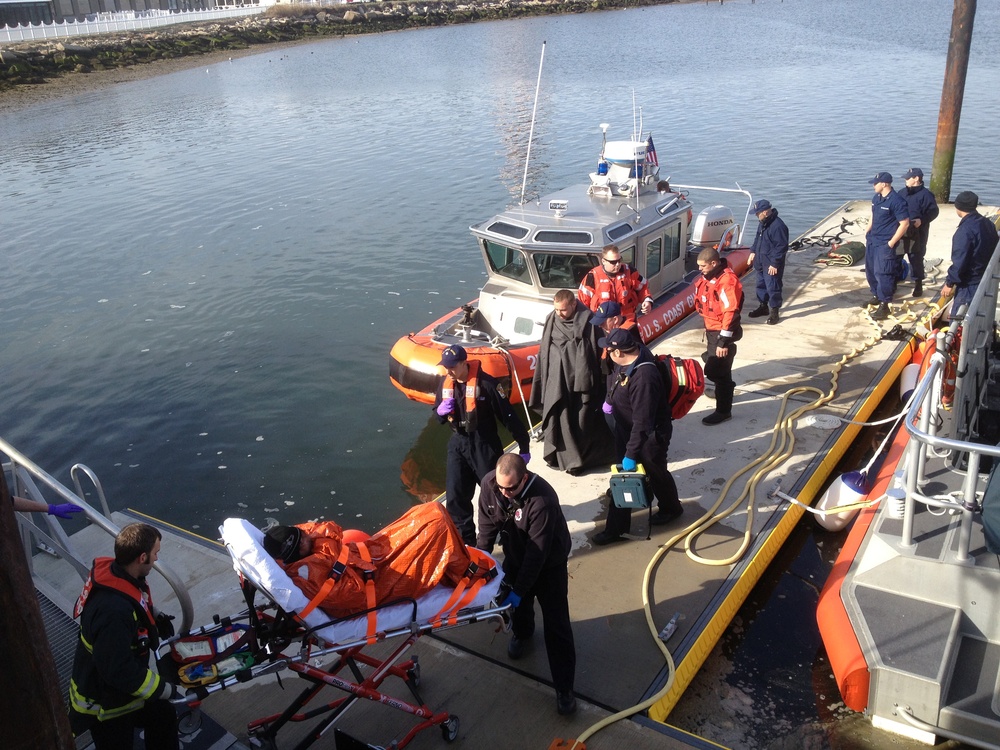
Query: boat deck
pixel 511 704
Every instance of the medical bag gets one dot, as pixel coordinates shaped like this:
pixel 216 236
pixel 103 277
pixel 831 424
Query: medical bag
pixel 629 489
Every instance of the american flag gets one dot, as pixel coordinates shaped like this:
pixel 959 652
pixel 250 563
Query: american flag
pixel 651 152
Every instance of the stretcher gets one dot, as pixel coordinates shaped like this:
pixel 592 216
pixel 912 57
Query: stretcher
pixel 284 633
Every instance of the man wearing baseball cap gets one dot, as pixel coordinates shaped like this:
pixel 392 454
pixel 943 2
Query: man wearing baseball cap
pixel 972 247
pixel 770 246
pixel 471 401
pixel 890 220
pixel 923 210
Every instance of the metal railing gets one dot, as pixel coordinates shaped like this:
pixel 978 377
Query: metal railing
pixel 924 420
pixel 107 23
pixel 29 481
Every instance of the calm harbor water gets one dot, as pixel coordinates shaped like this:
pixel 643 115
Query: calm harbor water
pixel 204 272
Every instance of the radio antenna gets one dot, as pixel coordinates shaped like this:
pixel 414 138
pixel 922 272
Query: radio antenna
pixel 531 132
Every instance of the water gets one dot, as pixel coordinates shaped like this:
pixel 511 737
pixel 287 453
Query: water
pixel 205 271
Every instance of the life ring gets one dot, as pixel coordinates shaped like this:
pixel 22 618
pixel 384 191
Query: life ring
pixel 353 536
pixel 950 372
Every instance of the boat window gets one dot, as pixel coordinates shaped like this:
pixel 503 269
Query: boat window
pixel 508 230
pixel 507 261
pixel 619 231
pixel 653 257
pixel 628 255
pixel 672 243
pixel 562 270
pixel 567 238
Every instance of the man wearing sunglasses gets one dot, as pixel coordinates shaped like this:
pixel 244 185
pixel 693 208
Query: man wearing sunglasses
pixel 522 511
pixel 612 280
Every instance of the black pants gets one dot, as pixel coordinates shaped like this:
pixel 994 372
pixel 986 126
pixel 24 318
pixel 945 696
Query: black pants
pixel 552 591
pixel 720 371
pixel 915 248
pixel 157 718
pixel 469 459
pixel 653 457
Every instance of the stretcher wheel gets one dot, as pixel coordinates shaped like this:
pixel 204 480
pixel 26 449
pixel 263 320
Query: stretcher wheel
pixel 449 730
pixel 189 722
pixel 413 675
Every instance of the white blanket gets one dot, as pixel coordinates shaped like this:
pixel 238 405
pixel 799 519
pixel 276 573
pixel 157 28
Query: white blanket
pixel 245 543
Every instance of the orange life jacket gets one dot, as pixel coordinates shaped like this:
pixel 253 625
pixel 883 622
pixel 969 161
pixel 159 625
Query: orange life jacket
pixel 628 288
pixel 101 575
pixel 471 419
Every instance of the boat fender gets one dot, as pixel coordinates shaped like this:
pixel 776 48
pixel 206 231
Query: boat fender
pixel 908 381
pixel 848 489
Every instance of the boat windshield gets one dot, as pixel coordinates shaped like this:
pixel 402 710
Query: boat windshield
pixel 508 262
pixel 563 270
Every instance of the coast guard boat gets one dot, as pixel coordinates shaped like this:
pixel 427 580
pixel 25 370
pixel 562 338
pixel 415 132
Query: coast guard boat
pixel 531 251
pixel 909 613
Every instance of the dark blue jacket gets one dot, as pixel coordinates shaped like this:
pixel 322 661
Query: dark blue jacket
pixel 887 213
pixel 921 203
pixel 770 245
pixel 641 404
pixel 971 249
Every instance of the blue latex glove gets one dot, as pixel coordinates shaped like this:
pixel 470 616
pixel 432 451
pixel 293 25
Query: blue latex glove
pixel 512 599
pixel 64 510
pixel 446 407
pixel 525 457
pixel 606 408
pixel 628 464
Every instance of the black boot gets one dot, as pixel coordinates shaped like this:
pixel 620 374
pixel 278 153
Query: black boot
pixel 723 404
pixel 760 312
pixel 918 288
pixel 883 312
pixel 772 318
pixel 873 302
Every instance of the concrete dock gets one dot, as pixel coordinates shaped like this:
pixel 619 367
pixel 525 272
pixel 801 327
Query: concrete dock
pixel 824 349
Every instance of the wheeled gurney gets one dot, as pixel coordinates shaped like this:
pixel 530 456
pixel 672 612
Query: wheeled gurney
pixel 277 636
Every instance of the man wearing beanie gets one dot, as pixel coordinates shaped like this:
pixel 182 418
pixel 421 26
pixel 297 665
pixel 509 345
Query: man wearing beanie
pixel 890 220
pixel 971 250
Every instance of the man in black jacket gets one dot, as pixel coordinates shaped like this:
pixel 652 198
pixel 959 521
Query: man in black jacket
pixel 638 399
pixel 522 510
pixel 114 687
pixel 471 401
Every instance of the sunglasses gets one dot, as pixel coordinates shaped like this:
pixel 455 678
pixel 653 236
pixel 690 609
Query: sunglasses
pixel 509 489
pixel 614 262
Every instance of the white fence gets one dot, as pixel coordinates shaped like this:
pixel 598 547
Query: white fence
pixel 105 23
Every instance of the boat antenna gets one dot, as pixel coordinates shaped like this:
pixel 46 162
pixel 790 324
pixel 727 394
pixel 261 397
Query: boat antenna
pixel 531 132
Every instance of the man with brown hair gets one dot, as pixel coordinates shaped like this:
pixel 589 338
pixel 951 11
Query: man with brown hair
pixel 719 299
pixel 115 688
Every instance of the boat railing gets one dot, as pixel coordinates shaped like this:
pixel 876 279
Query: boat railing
pixel 932 428
pixel 46 532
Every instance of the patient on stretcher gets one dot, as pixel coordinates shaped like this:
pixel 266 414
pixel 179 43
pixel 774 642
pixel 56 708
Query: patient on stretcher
pixel 406 559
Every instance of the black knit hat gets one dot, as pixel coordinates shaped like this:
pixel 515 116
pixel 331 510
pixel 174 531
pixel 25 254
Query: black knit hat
pixel 282 543
pixel 966 201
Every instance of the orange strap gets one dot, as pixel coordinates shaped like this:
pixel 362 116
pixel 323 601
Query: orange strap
pixel 482 569
pixel 329 583
pixel 369 576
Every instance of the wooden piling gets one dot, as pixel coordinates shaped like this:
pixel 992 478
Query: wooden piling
pixel 952 93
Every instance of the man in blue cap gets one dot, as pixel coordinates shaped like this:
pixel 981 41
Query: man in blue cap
pixel 471 401
pixel 923 210
pixel 972 246
pixel 890 220
pixel 770 246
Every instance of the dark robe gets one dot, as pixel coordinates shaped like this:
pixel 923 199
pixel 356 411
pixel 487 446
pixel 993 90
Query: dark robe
pixel 568 389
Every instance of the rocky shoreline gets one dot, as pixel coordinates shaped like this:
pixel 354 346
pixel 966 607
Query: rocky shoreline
pixel 29 64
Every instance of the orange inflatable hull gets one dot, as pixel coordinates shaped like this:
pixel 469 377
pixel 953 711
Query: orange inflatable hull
pixel 413 359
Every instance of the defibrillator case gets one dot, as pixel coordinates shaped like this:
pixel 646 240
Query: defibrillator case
pixel 629 489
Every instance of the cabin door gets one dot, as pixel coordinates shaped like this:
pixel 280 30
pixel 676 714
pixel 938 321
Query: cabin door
pixel 660 258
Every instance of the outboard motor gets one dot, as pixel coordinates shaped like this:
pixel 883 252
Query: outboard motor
pixel 711 225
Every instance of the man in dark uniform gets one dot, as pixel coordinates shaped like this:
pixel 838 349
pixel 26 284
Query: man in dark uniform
pixel 114 689
pixel 770 246
pixel 972 246
pixel 890 220
pixel 643 427
pixel 923 210
pixel 471 401
pixel 522 510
